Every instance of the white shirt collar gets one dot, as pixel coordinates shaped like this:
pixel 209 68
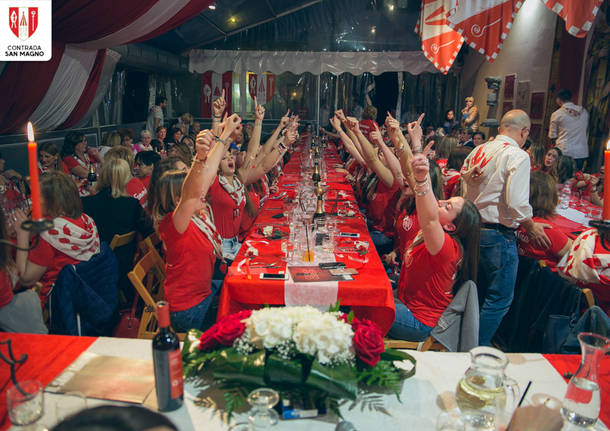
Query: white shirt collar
pixel 507 139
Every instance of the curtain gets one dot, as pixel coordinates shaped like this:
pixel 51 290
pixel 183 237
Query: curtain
pixel 86 97
pixel 161 12
pixel 76 21
pixel 105 81
pixel 23 84
pixel 65 90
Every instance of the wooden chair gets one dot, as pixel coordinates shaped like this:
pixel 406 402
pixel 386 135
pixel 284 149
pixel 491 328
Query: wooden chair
pixel 589 297
pixel 428 344
pixel 121 240
pixel 147 278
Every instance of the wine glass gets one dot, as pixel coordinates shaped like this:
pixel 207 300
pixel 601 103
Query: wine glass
pixel 262 414
pixel 25 403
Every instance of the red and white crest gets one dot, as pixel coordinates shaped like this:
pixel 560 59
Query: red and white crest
pixel 23 21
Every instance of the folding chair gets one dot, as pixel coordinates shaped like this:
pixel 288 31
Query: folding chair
pixel 122 240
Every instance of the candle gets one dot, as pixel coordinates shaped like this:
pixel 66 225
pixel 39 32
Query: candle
pixel 34 184
pixel 606 209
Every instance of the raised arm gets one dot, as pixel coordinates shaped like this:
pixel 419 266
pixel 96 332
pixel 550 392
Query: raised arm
pixel 390 158
pixel 218 109
pixel 339 113
pixel 347 142
pixel 427 206
pixel 203 171
pixel 370 154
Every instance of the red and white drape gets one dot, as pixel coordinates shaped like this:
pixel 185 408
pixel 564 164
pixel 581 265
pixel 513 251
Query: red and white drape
pixel 579 15
pixel 60 92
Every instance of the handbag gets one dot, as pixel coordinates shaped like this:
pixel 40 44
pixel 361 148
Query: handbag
pixel 129 323
pixel 559 326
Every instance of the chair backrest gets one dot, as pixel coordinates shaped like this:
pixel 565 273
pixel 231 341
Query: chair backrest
pixel 121 240
pixel 148 279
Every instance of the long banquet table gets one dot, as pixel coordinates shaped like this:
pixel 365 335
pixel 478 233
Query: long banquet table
pixel 423 396
pixel 369 295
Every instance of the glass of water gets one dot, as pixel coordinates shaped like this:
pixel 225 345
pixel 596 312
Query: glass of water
pixel 25 403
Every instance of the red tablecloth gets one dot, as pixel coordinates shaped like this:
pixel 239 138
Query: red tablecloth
pixel 369 294
pixel 48 356
pixel 569 364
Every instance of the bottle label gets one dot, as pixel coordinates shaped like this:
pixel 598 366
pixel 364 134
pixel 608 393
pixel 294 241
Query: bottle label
pixel 175 373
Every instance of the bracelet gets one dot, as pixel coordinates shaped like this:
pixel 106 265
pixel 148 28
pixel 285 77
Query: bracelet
pixel 421 193
pixel 217 116
pixel 422 181
pixel 222 141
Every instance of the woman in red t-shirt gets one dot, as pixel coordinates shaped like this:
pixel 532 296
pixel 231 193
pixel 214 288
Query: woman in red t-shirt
pixel 443 256
pixel 73 238
pixel 543 199
pixel 48 158
pixel 78 158
pixel 187 229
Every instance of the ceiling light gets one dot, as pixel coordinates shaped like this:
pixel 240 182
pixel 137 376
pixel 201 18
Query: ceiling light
pixel 373 29
pixel 212 6
pixel 391 7
pixel 232 20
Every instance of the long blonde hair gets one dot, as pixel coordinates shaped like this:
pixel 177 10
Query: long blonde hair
pixel 168 192
pixel 115 175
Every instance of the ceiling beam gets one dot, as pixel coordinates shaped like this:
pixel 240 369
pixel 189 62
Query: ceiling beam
pixel 256 24
pixel 213 24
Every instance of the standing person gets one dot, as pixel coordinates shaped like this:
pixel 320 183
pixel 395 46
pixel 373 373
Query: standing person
pixel 155 115
pixel 568 128
pixel 470 115
pixel 496 178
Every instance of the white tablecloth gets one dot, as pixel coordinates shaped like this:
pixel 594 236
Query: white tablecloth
pixel 422 396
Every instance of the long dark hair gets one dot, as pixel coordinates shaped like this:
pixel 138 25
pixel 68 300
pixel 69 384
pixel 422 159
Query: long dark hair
pixel 436 180
pixel 468 234
pixel 6 259
pixel 71 140
pixel 543 194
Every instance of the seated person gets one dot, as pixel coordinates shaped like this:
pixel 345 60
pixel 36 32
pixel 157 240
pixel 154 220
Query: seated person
pixel 48 158
pixel 442 257
pixel 116 418
pixel 115 212
pixel 72 239
pixel 451 174
pixel 135 187
pixel 543 199
pixel 186 226
pixel 77 158
pixel 144 164
pixel 19 311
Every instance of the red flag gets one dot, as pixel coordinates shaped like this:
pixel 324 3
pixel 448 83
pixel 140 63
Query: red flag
pixel 270 86
pixel 484 24
pixel 206 95
pixel 579 15
pixel 439 42
pixel 227 85
pixel 252 87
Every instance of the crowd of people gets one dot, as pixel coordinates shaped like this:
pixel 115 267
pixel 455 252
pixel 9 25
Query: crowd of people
pixel 443 205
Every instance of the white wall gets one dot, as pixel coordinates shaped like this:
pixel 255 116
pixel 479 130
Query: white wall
pixel 526 52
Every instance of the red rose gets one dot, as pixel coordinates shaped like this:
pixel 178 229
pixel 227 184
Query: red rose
pixel 368 341
pixel 231 327
pixel 208 338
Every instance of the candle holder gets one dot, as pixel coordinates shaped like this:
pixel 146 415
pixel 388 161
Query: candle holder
pixel 12 363
pixel 37 226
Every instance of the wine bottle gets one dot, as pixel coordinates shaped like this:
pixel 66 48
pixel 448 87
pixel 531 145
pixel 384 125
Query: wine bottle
pixel 167 362
pixel 92 176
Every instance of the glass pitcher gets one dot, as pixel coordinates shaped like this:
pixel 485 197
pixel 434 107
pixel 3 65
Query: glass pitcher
pixel 582 401
pixel 485 388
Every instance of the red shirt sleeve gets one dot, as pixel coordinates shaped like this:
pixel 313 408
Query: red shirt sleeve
pixel 43 254
pixel 69 162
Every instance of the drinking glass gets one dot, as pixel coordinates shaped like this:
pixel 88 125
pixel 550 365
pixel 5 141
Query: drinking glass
pixel 262 415
pixel 450 421
pixel 25 406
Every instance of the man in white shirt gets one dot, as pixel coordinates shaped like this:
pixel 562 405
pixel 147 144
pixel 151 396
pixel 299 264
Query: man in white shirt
pixel 155 115
pixel 496 179
pixel 568 128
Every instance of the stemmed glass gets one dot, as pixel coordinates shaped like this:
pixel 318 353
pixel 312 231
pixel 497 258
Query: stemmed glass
pixel 262 414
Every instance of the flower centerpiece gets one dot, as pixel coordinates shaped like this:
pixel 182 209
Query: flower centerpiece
pixel 325 355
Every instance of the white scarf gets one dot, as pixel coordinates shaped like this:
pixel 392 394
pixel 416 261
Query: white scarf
pixel 77 242
pixel 235 190
pixel 205 222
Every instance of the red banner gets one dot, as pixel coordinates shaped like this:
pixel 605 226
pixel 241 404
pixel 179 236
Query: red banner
pixel 484 24
pixel 212 85
pixel 206 95
pixel 227 85
pixel 439 42
pixel 579 15
pixel 262 87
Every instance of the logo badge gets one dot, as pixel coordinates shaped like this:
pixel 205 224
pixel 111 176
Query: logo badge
pixel 26 34
pixel 23 21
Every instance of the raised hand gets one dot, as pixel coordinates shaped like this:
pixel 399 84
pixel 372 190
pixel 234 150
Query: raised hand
pixel 415 130
pixel 220 105
pixel 392 123
pixel 352 124
pixel 230 125
pixel 340 115
pixel 421 166
pixel 203 143
pixel 259 111
pixel 285 119
pixel 336 123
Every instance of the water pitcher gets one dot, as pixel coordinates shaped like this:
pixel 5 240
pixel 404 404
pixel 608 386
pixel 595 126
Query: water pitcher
pixel 485 388
pixel 582 401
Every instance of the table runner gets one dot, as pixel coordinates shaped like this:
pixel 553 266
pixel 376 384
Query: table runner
pixel 569 364
pixel 48 356
pixel 369 294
